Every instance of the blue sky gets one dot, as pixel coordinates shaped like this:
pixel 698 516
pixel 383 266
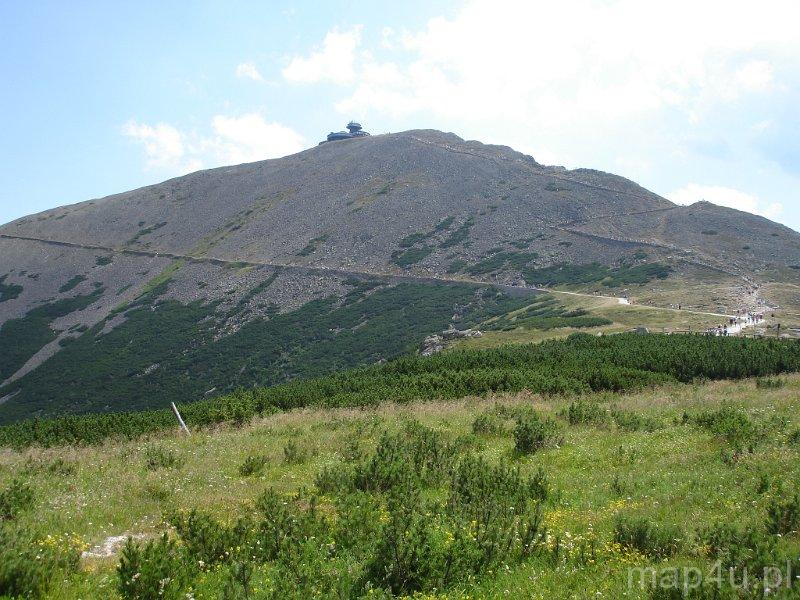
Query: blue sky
pixel 693 102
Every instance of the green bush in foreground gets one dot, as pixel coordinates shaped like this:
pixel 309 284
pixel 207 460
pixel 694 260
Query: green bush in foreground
pixel 733 425
pixel 769 383
pixel 253 465
pixel 155 570
pixel 29 565
pixel 157 457
pixel 533 433
pixel 783 516
pixel 418 514
pixel 15 499
pixel 651 539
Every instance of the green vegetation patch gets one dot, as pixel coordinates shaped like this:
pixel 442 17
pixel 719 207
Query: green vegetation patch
pixel 514 261
pixel 145 231
pixel 102 261
pixel 9 291
pixel 413 239
pixel 21 338
pixel 421 236
pixel 459 235
pixel 253 292
pixel 546 313
pixel 115 370
pixel 565 274
pixel 444 224
pixel 456 266
pixel 579 364
pixel 411 256
pixel 72 284
pixel 312 245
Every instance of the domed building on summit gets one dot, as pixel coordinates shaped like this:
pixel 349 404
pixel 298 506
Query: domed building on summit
pixel 353 131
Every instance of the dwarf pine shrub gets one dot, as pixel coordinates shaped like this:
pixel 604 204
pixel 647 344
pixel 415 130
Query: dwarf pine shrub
pixel 783 516
pixel 651 539
pixel 794 438
pixel 29 567
pixel 533 433
pixel 15 499
pixel 415 454
pixel 769 383
pixel 630 421
pixel 293 454
pixel 156 457
pixel 155 570
pixel 488 423
pixel 738 547
pixel 206 541
pixel 253 465
pixel 586 412
pixel 731 424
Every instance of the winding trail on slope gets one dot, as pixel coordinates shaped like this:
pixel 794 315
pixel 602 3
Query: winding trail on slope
pixel 512 290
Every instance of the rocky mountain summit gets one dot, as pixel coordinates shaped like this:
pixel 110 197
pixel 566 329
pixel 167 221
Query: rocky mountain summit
pixel 347 253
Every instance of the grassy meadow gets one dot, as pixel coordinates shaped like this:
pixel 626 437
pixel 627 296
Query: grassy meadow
pixel 681 474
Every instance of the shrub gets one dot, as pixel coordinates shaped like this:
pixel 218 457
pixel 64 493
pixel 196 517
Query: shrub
pixel 57 466
pixel 156 457
pixel 416 455
pixel 335 479
pixel 487 424
pixel 651 539
pixel 586 412
pixel 629 421
pixel 769 383
pixel 156 491
pixel 731 424
pixel 284 525
pixel 533 433
pixel 783 516
pixel 29 567
pixel 684 586
pixel 206 540
pixel 152 571
pixel 253 465
pixel 16 498
pixel 794 438
pixel 294 454
pixel 738 547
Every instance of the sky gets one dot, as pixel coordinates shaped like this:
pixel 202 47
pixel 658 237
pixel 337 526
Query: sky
pixel 694 100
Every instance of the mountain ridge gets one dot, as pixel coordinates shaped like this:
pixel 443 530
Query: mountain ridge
pixel 355 225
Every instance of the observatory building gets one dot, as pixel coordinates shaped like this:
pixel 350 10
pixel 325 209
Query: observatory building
pixel 353 131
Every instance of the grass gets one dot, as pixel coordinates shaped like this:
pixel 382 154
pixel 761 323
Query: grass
pixel 623 318
pixel 674 476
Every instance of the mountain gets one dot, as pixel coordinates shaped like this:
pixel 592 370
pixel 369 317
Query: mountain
pixel 344 254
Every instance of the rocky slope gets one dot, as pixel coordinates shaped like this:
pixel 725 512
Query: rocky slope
pixel 221 254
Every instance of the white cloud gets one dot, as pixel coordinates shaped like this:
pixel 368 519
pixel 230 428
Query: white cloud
pixel 233 140
pixel 249 138
pixel 333 62
pixel 725 196
pixel 575 63
pixel 164 146
pixel 248 70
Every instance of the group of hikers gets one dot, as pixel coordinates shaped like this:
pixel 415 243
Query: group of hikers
pixel 736 323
